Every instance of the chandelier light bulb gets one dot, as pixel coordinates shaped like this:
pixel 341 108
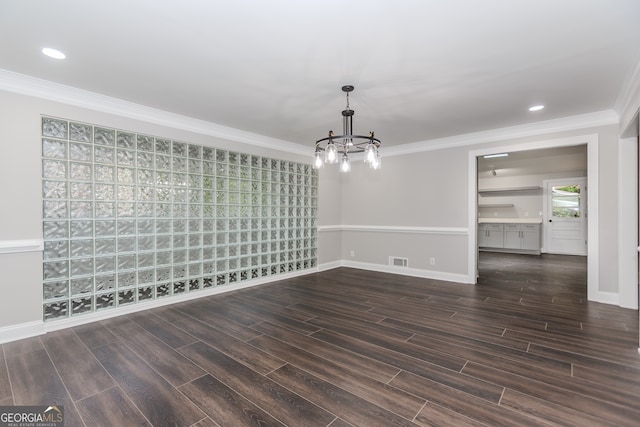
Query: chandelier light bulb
pixel 331 153
pixel 370 153
pixel 318 163
pixel 345 164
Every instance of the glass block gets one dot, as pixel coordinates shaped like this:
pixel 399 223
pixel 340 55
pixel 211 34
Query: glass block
pixel 126 175
pixel 146 226
pixel 55 209
pixel 221 279
pixel 126 244
pixel 126 227
pixel 163 274
pixel 208 211
pixel 54 149
pixel 208 168
pixel 244 275
pixel 146 259
pixel 208 267
pixel 82 267
pixel 208 239
pixel 195 255
pixel 126 209
pixel 195 210
pixel 105 192
pixel 222 251
pixel 233 158
pixel 195 167
pixel 146 209
pixel 104 301
pixel 126 157
pixel 81 191
pixel 54 128
pixel 126 192
pixel 195 284
pixel 104 136
pixel 55 229
pixel 163 210
pixel 164 257
pixel 221 155
pixel 195 181
pixel 104 264
pixel 245 172
pixel 179 149
pixel 56 310
pixel 163 242
pixel 145 293
pixel 81 248
pixel 255 273
pixel 127 262
pixel 179 287
pixel 126 140
pixel 164 226
pixel 80 152
pixel 144 143
pixel 105 281
pixel 54 169
pixel 81 305
pixel 81 209
pixel 57 289
pixel 233 277
pixel 163 146
pixel 179 164
pixel 208 282
pixel 105 173
pixel 179 256
pixel 127 296
pixel 179 240
pixel 144 159
pixel 233 171
pixel 55 249
pixel 102 154
pixel 105 228
pixel 146 276
pixel 54 189
pixel 146 243
pixel 105 246
pixel 82 286
pixel 163 162
pixel 163 290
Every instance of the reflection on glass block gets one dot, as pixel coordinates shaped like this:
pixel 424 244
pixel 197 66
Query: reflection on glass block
pixel 126 297
pixel 104 136
pixel 146 243
pixel 145 293
pixel 164 257
pixel 163 274
pixel 126 192
pixel 56 249
pixel 57 289
pixel 208 267
pixel 55 269
pixel 105 281
pixel 54 149
pixel 179 287
pixel 81 191
pixel 146 259
pixel 81 209
pixel 126 175
pixel 127 279
pixel 105 264
pixel 82 286
pixel 54 128
pixel 55 229
pixel 195 255
pixel 146 209
pixel 179 256
pixel 80 152
pixel 55 310
pixel 126 209
pixel 146 226
pixel 195 170
pixel 144 160
pixel 54 169
pixel 105 301
pixel 126 140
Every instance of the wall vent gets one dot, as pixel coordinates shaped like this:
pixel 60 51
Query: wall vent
pixel 398 262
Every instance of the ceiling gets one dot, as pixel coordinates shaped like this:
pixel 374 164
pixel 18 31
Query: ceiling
pixel 422 69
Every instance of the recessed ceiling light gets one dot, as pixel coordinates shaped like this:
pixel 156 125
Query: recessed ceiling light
pixel 53 53
pixel 492 156
pixel 536 108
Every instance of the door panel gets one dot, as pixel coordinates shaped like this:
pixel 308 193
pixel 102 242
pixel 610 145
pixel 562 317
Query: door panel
pixel 566 220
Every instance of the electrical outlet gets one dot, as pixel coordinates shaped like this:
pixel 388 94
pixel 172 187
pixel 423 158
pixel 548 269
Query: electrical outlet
pixel 432 261
pixel 353 253
pixel 526 214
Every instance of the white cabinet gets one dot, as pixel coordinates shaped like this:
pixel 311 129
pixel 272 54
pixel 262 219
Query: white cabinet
pixel 491 235
pixel 508 237
pixel 522 236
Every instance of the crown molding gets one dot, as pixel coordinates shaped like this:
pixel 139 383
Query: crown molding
pixel 583 121
pixel 39 88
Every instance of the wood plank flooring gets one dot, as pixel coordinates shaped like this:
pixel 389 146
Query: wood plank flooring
pixel 348 347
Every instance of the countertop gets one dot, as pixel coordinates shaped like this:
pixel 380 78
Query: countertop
pixel 510 220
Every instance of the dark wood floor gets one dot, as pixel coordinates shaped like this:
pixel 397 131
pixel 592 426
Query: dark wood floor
pixel 350 347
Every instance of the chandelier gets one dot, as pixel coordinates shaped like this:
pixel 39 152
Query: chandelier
pixel 337 147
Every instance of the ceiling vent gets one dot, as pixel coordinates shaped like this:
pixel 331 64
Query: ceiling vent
pixel 398 262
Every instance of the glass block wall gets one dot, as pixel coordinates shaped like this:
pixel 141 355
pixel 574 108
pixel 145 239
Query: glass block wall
pixel 130 217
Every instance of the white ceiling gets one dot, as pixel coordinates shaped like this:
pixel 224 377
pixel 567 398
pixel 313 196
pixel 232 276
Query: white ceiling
pixel 422 69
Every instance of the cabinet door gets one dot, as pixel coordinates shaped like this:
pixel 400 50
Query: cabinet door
pixel 495 238
pixel 512 236
pixel 531 237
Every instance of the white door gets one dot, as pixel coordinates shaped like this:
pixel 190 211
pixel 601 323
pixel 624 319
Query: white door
pixel 565 218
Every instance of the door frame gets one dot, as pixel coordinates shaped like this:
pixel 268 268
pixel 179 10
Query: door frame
pixel 593 257
pixel 545 210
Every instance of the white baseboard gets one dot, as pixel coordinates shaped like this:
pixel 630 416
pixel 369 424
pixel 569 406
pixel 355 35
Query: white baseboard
pixel 21 331
pixel 404 271
pixel 607 298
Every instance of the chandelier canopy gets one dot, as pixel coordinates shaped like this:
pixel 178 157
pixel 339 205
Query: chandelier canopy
pixel 335 146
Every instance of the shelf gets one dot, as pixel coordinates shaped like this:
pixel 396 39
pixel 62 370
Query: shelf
pixel 511 190
pixel 497 205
